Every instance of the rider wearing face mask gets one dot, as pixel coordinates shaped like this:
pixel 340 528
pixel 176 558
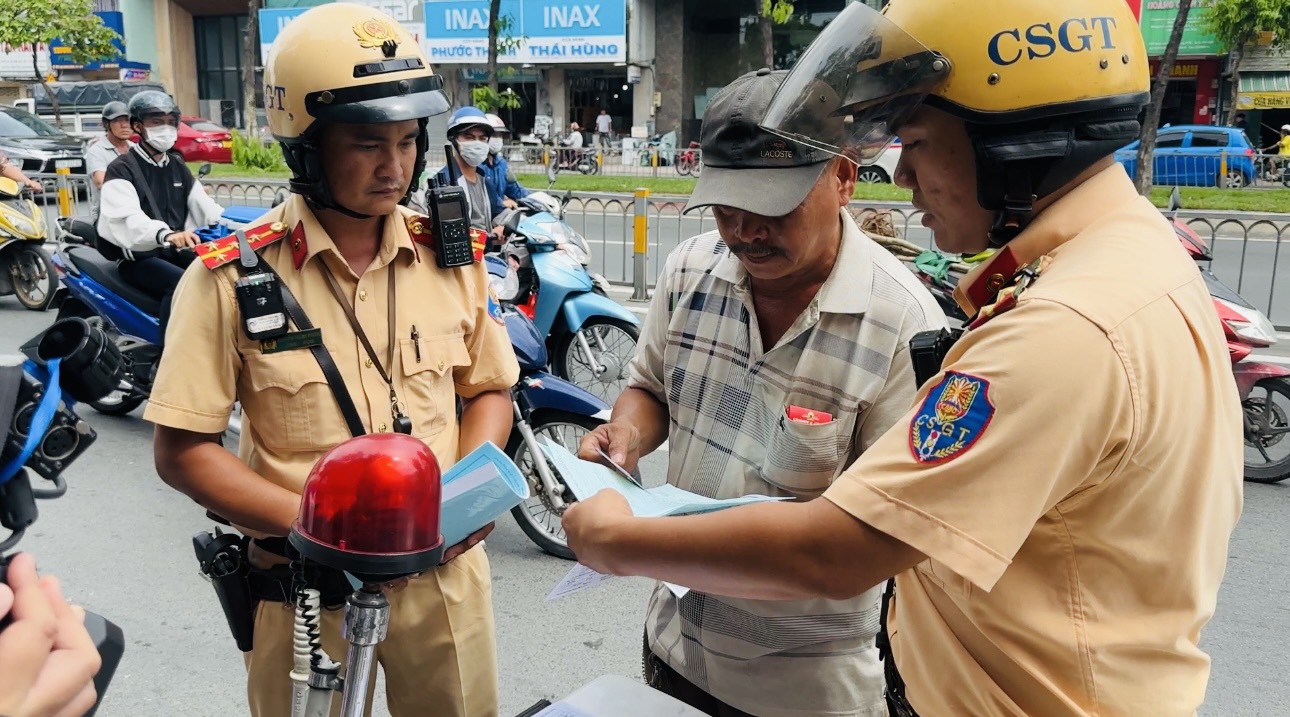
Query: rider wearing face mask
pixel 469 132
pixel 149 199
pixel 503 188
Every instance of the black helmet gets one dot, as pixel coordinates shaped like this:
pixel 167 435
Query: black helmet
pixel 151 103
pixel 114 110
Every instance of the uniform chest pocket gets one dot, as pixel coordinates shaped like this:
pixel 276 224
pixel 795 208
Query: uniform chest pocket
pixel 428 389
pixel 801 457
pixel 290 404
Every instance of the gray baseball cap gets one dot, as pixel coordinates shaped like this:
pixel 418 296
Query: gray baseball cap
pixel 745 166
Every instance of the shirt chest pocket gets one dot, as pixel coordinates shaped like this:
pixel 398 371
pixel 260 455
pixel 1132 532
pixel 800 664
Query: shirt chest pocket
pixel 290 405
pixel 428 390
pixel 802 458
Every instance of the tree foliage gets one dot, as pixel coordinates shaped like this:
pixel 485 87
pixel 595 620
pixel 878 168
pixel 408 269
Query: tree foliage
pixel 1236 23
pixel 37 23
pixel 769 14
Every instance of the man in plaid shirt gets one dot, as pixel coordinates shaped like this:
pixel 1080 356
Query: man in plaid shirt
pixel 774 352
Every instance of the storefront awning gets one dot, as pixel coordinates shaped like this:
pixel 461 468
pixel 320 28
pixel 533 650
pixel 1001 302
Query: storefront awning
pixel 1264 91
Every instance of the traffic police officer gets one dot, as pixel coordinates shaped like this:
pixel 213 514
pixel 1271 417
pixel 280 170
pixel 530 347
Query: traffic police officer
pixel 1057 505
pixel 347 94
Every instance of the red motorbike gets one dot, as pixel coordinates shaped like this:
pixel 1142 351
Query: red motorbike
pixel 1264 387
pixel 687 161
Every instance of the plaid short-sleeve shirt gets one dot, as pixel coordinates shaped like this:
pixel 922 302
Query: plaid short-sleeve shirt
pixel 729 400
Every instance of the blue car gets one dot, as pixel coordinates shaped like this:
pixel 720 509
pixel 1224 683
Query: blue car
pixel 1193 156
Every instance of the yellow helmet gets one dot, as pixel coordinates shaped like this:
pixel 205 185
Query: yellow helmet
pixel 1047 89
pixel 347 64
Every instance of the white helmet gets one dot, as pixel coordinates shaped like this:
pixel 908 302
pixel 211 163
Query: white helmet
pixel 1285 128
pixel 499 126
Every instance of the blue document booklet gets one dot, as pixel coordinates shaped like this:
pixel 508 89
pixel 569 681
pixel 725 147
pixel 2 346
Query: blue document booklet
pixel 585 478
pixel 479 489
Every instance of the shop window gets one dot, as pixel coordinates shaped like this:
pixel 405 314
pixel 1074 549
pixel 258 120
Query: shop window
pixel 219 64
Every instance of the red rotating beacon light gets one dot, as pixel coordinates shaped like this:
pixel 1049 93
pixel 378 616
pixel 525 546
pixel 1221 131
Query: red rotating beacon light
pixel 371 507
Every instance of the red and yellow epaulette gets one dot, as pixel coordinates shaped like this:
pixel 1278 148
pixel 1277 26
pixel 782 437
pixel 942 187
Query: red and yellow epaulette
pixel 224 251
pixel 421 229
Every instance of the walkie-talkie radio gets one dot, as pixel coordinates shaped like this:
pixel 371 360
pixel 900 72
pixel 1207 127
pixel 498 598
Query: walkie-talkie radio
pixel 451 215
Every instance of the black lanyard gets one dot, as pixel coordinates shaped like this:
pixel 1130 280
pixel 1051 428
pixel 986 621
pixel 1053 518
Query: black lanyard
pixel 402 424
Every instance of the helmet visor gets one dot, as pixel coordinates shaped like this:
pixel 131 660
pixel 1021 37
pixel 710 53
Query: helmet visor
pixel 862 69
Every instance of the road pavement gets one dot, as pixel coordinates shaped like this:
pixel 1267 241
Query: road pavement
pixel 121 542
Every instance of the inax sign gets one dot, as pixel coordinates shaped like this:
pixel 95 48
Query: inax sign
pixel 550 32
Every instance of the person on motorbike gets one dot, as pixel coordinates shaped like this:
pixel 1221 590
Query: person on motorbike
pixel 114 142
pixel 11 170
pixel 150 200
pixel 1282 148
pixel 469 131
pixel 503 189
pixel 1056 507
pixel 572 144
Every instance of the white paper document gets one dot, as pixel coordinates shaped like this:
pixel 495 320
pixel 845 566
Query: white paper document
pixel 585 479
pixel 479 489
pixel 578 579
pixel 561 709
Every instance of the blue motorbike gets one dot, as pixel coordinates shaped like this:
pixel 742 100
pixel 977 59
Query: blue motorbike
pixel 590 337
pixel 93 290
pixel 549 407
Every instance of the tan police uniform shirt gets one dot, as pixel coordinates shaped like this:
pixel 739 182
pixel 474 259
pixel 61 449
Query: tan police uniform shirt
pixel 1073 476
pixel 843 368
pixel 291 416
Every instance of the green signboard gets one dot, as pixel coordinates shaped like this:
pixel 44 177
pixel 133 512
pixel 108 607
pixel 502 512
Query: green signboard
pixel 1158 23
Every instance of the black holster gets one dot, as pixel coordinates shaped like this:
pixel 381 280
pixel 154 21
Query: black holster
pixel 222 559
pixel 897 704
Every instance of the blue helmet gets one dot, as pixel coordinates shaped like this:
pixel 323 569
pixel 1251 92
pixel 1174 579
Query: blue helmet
pixel 468 117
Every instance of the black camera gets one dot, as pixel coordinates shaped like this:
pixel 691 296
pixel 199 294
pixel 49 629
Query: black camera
pixel 71 361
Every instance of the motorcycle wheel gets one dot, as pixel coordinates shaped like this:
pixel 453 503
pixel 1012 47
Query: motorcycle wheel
pixel 1268 422
pixel 619 338
pixel 34 277
pixel 589 166
pixel 684 166
pixel 536 517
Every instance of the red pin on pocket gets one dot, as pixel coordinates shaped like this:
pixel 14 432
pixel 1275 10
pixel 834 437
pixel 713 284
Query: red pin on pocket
pixel 811 417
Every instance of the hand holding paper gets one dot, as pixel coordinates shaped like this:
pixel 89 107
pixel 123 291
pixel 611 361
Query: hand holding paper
pixel 479 489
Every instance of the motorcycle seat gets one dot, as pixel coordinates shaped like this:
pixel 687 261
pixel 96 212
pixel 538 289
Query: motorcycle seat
pixel 102 270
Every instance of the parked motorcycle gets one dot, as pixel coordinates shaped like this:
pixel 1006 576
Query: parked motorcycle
pixel 25 268
pixel 92 289
pixel 589 337
pixel 545 406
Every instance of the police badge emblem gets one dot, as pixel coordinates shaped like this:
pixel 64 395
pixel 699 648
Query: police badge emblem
pixel 495 307
pixel 952 417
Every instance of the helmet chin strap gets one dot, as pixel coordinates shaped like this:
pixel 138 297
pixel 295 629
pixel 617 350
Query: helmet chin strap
pixel 1018 204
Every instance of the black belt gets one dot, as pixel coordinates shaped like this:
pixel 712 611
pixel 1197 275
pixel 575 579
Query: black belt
pixel 275 583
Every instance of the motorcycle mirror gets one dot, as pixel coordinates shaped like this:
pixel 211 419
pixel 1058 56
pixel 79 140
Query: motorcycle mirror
pixel 1175 200
pixel 204 170
pixel 551 172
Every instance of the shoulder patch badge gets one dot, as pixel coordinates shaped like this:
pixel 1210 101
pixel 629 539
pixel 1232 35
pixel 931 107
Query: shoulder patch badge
pixel 495 307
pixel 951 418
